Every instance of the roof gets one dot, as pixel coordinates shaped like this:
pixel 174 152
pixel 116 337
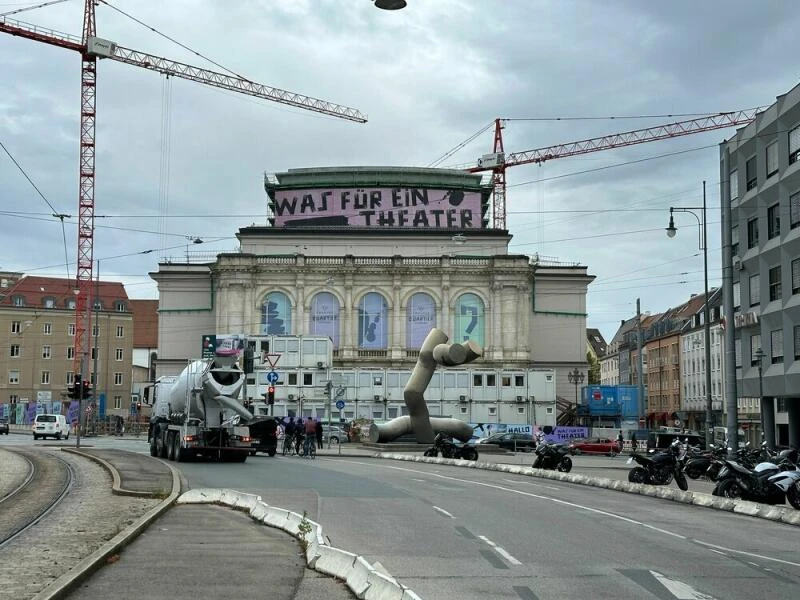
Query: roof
pixel 145 323
pixel 596 341
pixel 374 177
pixel 36 290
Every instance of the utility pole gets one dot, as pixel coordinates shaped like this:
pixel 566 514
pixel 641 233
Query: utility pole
pixel 640 343
pixel 95 378
pixel 731 405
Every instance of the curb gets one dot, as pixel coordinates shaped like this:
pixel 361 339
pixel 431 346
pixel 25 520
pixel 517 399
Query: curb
pixel 780 514
pixel 362 578
pixel 70 580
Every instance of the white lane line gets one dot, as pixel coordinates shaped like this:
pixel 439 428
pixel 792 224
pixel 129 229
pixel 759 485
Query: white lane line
pixel 718 552
pixel 420 480
pixel 502 552
pixel 444 512
pixel 549 487
pixel 761 556
pixel 680 590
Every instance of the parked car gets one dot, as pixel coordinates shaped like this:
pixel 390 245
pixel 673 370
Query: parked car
pixel 334 434
pixel 516 442
pixel 45 426
pixel 4 425
pixel 595 446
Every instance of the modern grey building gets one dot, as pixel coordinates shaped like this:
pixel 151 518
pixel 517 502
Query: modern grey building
pixel 762 164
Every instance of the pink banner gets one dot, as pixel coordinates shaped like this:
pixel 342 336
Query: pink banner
pixel 416 208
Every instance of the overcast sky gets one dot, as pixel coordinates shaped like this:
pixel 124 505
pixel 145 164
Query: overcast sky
pixel 428 77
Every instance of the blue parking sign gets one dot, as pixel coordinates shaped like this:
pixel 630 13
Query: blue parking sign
pixel 272 377
pixel 340 404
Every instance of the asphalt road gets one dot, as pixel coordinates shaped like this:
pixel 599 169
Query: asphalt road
pixel 450 532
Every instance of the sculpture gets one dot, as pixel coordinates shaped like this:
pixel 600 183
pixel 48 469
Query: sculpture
pixel 435 350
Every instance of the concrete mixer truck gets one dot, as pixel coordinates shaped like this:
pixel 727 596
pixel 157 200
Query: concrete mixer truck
pixel 194 413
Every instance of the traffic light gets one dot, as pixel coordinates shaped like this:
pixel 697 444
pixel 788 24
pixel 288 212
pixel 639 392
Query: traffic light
pixel 271 395
pixel 248 361
pixel 87 390
pixel 74 390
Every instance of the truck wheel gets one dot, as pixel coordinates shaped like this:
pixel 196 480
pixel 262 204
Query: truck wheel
pixel 153 446
pixel 161 443
pixel 271 451
pixel 178 453
pixel 171 437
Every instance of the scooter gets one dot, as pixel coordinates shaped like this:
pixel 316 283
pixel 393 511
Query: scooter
pixel 445 446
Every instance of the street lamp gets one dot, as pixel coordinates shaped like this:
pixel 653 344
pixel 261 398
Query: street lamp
pixel 759 356
pixel 703 240
pixel 390 4
pixel 575 376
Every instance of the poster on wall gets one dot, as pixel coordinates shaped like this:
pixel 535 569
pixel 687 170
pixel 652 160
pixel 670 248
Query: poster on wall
pixel 19 418
pixel 73 411
pixel 324 318
pixel 421 315
pixel 469 319
pixel 372 322
pixel 276 314
pixel 230 344
pixel 417 208
pixel 30 412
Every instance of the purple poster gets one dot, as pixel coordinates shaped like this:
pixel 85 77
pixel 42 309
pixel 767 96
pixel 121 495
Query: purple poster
pixel 373 327
pixel 421 318
pixel 324 317
pixel 30 413
pixel 72 412
pixel 416 208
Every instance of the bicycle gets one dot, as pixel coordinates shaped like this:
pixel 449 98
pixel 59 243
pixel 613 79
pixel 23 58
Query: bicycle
pixel 310 447
pixel 288 445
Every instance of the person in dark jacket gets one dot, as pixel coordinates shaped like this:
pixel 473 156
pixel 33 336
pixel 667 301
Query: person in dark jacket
pixel 318 433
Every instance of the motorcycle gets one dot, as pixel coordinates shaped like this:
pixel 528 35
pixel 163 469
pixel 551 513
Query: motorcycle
pixel 767 482
pixel 445 446
pixel 708 463
pixel 660 468
pixel 552 456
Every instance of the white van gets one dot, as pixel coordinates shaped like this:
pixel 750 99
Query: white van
pixel 55 426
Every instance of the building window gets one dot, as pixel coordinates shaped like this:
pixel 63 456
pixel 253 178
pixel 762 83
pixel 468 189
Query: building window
pixel 117 378
pixel 70 352
pixel 13 377
pixel 120 331
pixel 71 329
pixel 292 379
pixel 420 319
pixel 752 233
pixel 775 283
pixel 735 240
pixel 14 350
pixel 46 352
pixel 324 317
pixel 794 210
pixel 492 410
pixel 373 324
pixel 71 304
pixel 47 328
pixel 773 221
pixel 505 381
pixel 477 380
pixel 93 354
pixel 776 346
pixel 491 380
pixel 119 306
pixel 794 145
pixel 276 314
pixel 755 290
pixel 70 377
pixel 18 301
pixel 16 326
pixel 95 330
pixel 734 184
pixel 755 344
pixel 772 159
pixel 117 402
pixel 796 276
pixel 308 379
pixel 45 378
pixel 750 173
pixel 519 381
pixel 97 304
pixel 469 319
pixel 796 342
pixel 48 303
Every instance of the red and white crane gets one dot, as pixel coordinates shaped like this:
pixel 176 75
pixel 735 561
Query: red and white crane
pixel 91 48
pixel 499 161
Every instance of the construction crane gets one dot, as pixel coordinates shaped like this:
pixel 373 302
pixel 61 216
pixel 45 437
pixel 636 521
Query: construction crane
pixel 92 48
pixel 498 161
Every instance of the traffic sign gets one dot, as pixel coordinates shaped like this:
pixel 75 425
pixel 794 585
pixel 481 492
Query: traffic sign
pixel 340 404
pixel 272 377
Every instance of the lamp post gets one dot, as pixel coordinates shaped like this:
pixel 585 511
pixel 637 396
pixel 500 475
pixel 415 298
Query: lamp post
pixel 759 356
pixel 703 239
pixel 575 376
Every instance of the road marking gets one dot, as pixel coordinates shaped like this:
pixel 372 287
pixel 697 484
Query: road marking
pixel 444 512
pixel 549 487
pixel 502 552
pixel 761 556
pixel 420 480
pixel 680 590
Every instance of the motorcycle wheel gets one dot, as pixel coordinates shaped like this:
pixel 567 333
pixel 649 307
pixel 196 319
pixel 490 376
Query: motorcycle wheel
pixel 728 488
pixel 469 454
pixel 691 474
pixel 537 464
pixel 638 475
pixel 793 496
pixel 565 466
pixel 680 479
pixel 430 452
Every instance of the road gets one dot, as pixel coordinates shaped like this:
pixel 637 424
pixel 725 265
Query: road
pixel 451 532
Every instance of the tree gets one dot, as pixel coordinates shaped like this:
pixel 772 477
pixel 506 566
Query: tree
pixel 594 368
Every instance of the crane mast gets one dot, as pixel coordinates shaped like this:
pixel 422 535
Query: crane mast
pixel 91 48
pixel 498 162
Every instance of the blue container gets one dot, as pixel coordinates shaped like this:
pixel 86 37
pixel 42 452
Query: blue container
pixel 610 401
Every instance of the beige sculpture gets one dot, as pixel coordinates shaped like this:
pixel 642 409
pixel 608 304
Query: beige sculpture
pixel 435 350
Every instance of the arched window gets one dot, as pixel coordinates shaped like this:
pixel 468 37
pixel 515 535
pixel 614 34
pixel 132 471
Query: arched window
pixel 276 314
pixel 373 326
pixel 324 317
pixel 420 319
pixel 470 319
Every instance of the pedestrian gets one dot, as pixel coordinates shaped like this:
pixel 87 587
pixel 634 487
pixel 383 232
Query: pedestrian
pixel 299 435
pixel 620 440
pixel 634 443
pixel 311 431
pixel 318 432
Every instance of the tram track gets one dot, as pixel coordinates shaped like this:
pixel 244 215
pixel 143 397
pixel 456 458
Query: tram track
pixel 48 482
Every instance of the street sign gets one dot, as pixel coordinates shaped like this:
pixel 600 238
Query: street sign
pixel 209 346
pixel 272 377
pixel 340 404
pixel 272 359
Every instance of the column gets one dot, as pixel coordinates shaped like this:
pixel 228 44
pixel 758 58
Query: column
pixel 793 409
pixel 768 419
